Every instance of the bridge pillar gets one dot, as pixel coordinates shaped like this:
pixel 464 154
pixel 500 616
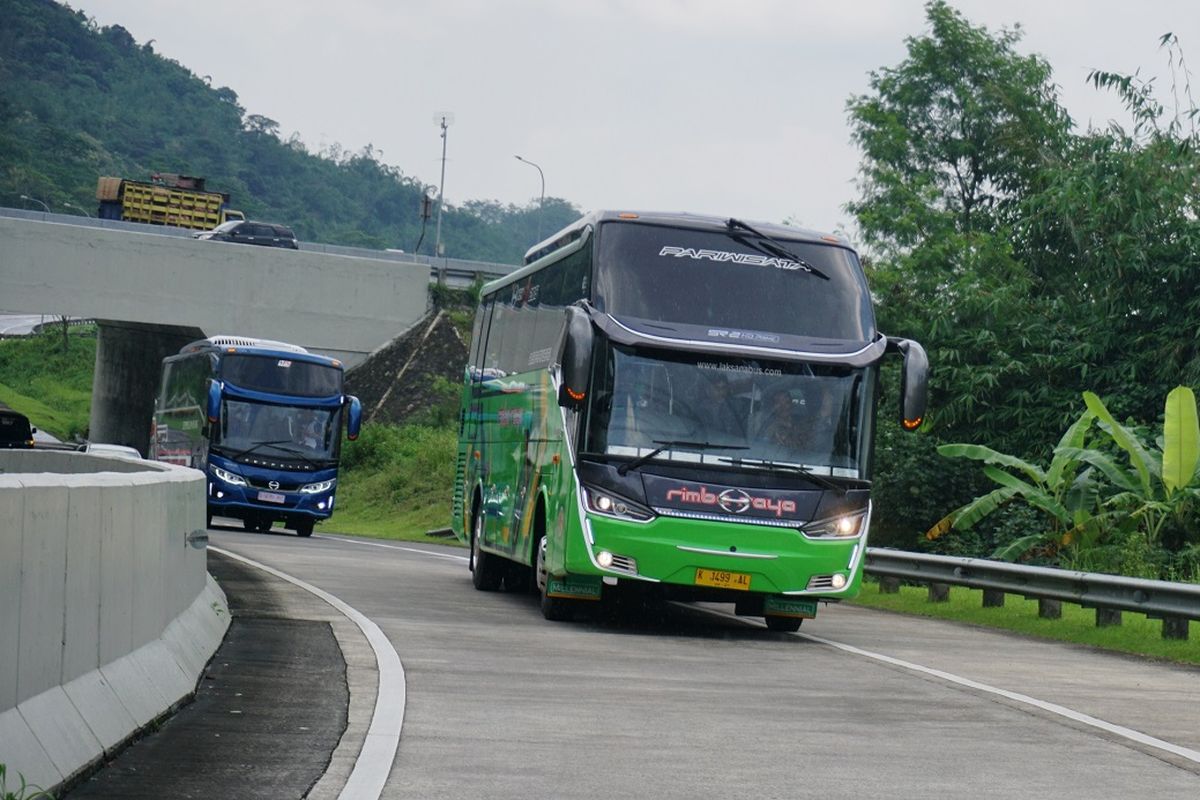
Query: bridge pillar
pixel 128 364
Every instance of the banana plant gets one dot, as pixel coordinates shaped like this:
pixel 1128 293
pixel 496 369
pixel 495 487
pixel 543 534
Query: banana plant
pixel 1158 486
pixel 1067 491
pixel 1086 492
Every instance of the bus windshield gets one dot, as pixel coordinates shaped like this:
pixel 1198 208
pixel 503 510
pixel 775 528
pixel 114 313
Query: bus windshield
pixel 731 280
pixel 281 375
pixel 753 413
pixel 310 433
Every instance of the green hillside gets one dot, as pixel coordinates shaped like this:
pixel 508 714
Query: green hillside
pixel 78 101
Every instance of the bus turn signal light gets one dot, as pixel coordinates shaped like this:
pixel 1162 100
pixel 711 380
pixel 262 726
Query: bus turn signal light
pixel 912 424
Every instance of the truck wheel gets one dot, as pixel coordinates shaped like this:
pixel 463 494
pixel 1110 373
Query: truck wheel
pixel 487 570
pixel 784 624
pixel 555 609
pixel 304 528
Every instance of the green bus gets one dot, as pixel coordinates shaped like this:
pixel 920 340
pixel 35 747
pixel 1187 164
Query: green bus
pixel 677 407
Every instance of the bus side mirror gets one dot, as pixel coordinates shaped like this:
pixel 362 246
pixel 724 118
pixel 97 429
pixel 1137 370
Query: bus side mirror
pixel 914 382
pixel 354 418
pixel 576 358
pixel 213 407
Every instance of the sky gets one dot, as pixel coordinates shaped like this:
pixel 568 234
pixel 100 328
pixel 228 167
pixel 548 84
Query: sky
pixel 706 106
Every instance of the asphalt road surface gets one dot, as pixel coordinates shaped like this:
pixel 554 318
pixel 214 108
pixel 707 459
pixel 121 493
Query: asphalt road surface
pixel 688 702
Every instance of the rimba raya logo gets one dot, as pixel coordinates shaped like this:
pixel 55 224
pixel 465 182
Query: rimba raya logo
pixel 731 501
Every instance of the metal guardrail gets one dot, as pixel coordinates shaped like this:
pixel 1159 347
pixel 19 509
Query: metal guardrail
pixel 1174 603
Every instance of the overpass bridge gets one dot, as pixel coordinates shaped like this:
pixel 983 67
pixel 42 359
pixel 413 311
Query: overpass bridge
pixel 152 291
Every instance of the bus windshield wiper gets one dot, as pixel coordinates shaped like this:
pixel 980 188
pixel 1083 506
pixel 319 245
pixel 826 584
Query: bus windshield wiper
pixel 774 246
pixel 762 463
pixel 663 445
pixel 257 445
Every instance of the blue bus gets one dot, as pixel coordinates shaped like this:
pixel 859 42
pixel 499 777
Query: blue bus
pixel 263 420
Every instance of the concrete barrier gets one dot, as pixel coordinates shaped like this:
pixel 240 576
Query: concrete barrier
pixel 107 615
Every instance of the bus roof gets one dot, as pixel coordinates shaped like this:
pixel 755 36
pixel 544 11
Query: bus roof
pixel 253 346
pixel 681 219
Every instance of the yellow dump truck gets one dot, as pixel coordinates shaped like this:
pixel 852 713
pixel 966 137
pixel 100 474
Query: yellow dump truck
pixel 166 199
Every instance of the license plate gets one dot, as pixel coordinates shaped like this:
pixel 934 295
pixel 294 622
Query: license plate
pixel 723 580
pixel 271 497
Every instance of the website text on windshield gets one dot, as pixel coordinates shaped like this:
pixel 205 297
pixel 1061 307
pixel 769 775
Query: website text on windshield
pixel 263 420
pixel 679 407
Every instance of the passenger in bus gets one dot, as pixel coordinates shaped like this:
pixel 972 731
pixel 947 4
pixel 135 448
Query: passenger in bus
pixel 779 425
pixel 722 411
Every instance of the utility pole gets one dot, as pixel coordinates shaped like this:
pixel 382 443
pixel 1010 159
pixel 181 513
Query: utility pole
pixel 444 119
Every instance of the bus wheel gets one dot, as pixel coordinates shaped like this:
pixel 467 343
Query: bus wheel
pixel 556 609
pixel 250 524
pixel 304 527
pixel 784 624
pixel 487 570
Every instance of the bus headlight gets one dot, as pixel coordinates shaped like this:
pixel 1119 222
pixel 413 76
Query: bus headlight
pixel 614 505
pixel 317 488
pixel 846 526
pixel 229 477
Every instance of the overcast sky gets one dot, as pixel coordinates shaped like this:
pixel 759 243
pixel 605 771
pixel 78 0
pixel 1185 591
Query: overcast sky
pixel 708 106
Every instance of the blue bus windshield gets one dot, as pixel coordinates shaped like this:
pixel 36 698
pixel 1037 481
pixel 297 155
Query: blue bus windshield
pixel 310 433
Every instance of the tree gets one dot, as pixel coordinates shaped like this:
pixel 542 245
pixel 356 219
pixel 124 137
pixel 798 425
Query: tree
pixel 954 138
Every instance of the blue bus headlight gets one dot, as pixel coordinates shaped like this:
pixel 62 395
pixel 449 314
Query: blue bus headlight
pixel 317 488
pixel 229 477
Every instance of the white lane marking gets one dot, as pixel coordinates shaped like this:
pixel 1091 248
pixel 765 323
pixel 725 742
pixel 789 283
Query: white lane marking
pixel 1051 708
pixel 366 543
pixel 374 762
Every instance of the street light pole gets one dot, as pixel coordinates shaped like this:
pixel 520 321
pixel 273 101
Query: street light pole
pixel 443 120
pixel 542 199
pixel 77 208
pixel 35 200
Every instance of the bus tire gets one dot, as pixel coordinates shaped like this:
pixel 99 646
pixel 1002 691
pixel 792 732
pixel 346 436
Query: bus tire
pixel 304 528
pixel 487 570
pixel 783 624
pixel 555 609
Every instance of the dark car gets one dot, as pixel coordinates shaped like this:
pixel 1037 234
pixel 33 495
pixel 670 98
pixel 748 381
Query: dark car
pixel 248 231
pixel 15 431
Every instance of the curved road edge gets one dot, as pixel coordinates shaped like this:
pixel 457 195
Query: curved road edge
pixel 378 753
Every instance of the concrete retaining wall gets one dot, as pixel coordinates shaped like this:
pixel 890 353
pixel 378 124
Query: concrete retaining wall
pixel 107 615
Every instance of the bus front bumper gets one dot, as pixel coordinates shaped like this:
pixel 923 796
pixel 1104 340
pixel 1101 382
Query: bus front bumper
pixel 703 558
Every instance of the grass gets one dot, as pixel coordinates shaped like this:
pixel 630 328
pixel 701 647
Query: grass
pixel 51 387
pixel 1136 635
pixel 397 482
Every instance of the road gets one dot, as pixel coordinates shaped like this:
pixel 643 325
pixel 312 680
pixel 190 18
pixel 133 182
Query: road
pixel 686 702
pixel 21 324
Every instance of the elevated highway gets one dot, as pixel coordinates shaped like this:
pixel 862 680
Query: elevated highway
pixel 153 291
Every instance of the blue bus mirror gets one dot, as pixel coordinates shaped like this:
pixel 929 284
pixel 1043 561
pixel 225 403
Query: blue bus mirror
pixel 354 420
pixel 213 408
pixel 914 382
pixel 576 358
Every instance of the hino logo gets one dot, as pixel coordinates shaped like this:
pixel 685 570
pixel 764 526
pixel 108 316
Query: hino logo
pixel 722 256
pixel 731 501
pixel 735 501
pixel 273 485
